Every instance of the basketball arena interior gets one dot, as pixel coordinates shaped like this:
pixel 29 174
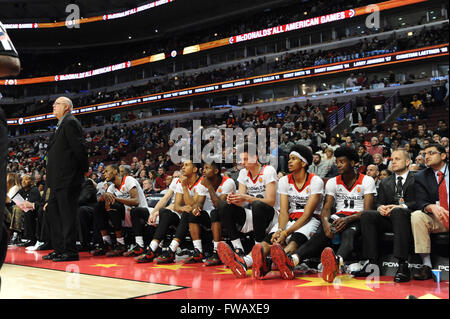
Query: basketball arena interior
pixel 346 95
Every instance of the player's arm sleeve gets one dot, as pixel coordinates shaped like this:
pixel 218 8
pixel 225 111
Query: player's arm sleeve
pixel 330 188
pixel 228 187
pixel 283 186
pixel 316 185
pixel 369 186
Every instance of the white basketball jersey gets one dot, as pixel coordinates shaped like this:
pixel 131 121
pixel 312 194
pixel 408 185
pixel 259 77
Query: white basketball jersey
pixel 350 201
pixel 128 182
pixel 227 186
pixel 179 188
pixel 256 187
pixel 299 197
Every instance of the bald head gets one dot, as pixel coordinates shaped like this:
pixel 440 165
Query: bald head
pixel 372 171
pixel 62 106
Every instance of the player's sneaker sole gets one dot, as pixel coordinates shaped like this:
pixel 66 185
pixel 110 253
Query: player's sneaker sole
pixel 259 267
pixel 134 253
pixel 282 262
pixel 232 260
pixel 329 263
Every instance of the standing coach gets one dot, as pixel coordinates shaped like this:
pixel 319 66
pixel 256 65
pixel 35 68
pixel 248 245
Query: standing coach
pixel 67 161
pixel 9 66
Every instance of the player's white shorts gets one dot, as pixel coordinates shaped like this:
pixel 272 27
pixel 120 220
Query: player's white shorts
pixel 308 229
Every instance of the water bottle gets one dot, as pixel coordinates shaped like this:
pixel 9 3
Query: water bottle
pixel 336 238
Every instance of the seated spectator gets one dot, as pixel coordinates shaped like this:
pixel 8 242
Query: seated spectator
pixel 348 142
pixel 378 161
pixel 305 140
pixel 410 132
pixel 318 167
pixel 13 220
pixel 439 91
pixel 143 175
pixel 405 116
pixel 375 127
pixel 442 129
pixel 351 81
pixel 30 207
pixel 152 177
pixel 415 103
pixel 431 215
pixel 422 113
pixel 169 179
pixel 329 157
pixel 160 182
pixel 374 147
pixel 333 143
pixel 233 172
pixel 384 173
pixel 147 187
pixel 360 129
pixel 134 170
pixel 364 157
pixel 372 171
pixel 322 151
pixel 444 141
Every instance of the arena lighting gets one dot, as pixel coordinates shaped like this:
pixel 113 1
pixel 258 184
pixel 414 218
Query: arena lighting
pixel 215 44
pixel 106 17
pixel 350 65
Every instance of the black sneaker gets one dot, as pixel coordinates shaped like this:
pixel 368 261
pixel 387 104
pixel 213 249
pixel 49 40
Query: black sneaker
pixel 167 257
pixel 148 256
pixel 213 259
pixel 195 257
pixel 117 251
pixel 134 252
pixel 101 249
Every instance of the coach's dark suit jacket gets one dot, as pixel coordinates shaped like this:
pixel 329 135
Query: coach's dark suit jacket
pixel 67 158
pixel 67 161
pixel 426 188
pixel 387 194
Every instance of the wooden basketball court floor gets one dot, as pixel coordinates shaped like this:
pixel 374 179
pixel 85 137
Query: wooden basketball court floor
pixel 26 276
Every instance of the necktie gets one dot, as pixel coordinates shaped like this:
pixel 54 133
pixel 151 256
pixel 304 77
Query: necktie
pixel 442 191
pixel 399 190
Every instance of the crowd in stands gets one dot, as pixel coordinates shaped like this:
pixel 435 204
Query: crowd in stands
pixel 258 21
pixel 289 61
pixel 303 124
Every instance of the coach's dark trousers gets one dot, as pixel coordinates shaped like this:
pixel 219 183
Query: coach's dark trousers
pixel 373 224
pixel 62 209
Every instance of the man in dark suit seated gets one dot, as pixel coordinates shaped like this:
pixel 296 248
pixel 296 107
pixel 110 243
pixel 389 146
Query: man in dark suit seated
pixel 431 216
pixel 86 203
pixel 395 202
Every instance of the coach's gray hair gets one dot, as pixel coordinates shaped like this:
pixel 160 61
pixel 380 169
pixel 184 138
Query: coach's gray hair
pixel 68 102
